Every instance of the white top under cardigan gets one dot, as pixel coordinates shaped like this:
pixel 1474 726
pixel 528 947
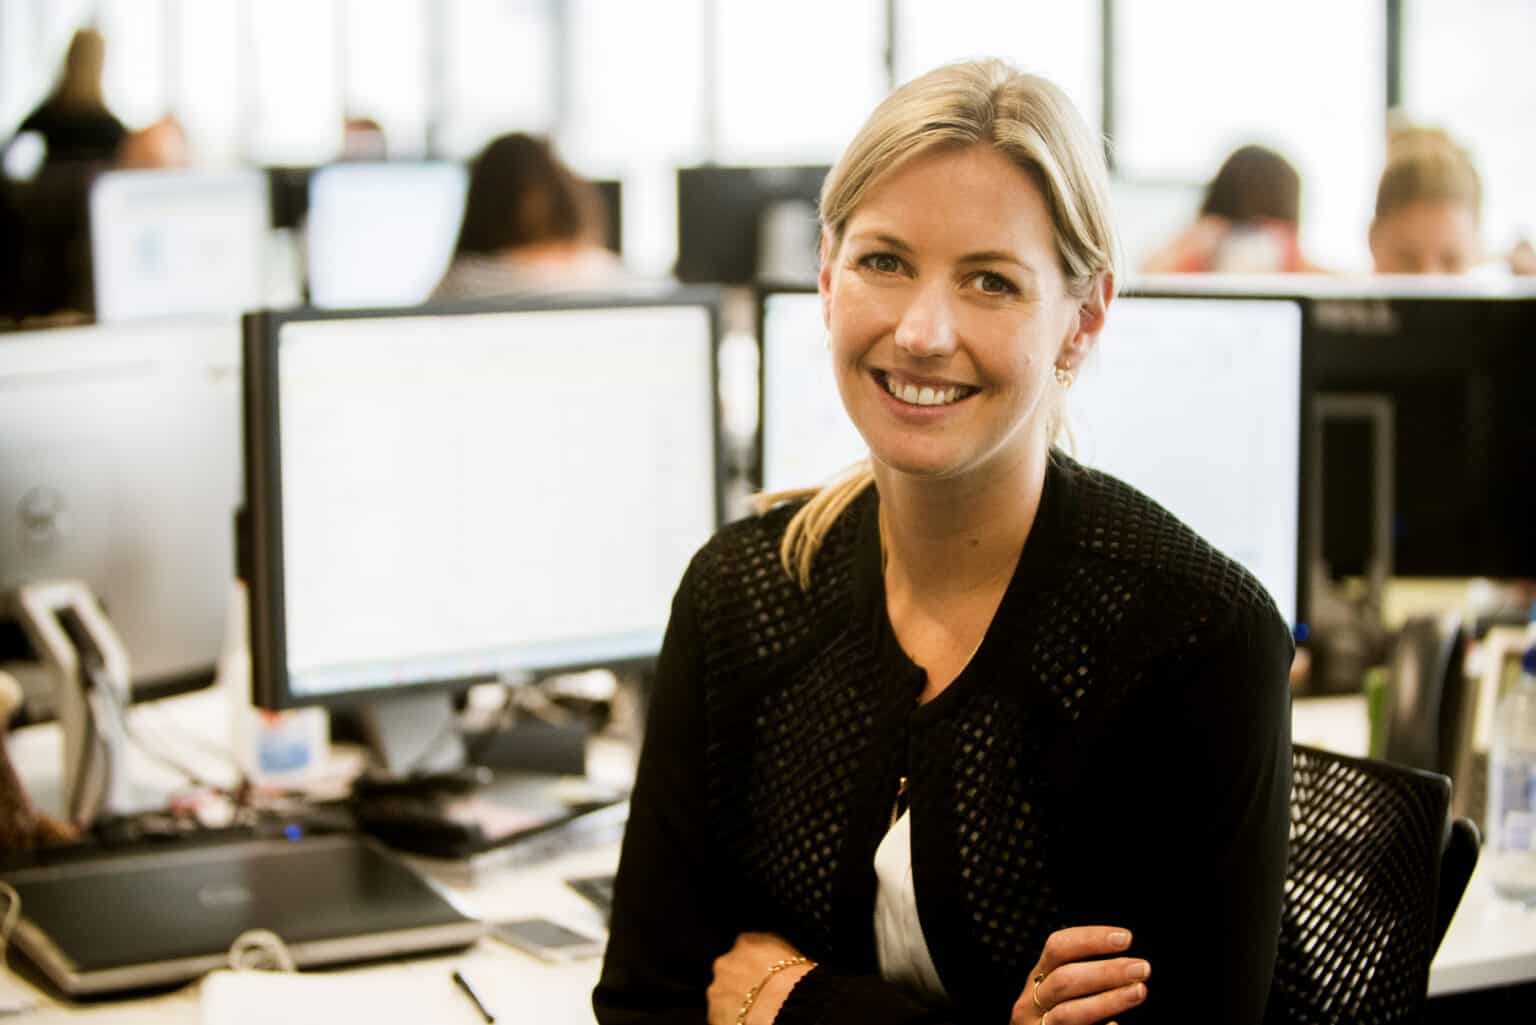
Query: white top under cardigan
pixel 899 941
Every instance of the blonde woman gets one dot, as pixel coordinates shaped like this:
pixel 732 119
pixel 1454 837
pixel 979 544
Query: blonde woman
pixel 976 734
pixel 1429 205
pixel 74 120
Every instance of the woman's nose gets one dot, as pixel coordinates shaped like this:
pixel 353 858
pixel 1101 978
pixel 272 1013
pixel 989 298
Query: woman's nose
pixel 927 326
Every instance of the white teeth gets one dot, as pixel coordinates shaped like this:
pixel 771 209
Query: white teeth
pixel 924 396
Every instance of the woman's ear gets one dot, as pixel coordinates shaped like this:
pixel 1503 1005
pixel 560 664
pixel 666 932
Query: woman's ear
pixel 824 278
pixel 1092 313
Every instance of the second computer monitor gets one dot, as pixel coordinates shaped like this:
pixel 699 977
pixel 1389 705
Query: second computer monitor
pixel 120 466
pixel 178 243
pixel 1194 401
pixel 737 225
pixel 381 234
pixel 439 497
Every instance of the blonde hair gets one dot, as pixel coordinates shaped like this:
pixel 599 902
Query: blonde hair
pixel 1027 119
pixel 79 85
pixel 1426 165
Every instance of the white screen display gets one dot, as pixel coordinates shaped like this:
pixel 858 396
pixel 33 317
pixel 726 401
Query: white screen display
pixel 1197 402
pixel 1194 401
pixel 807 436
pixel 178 243
pixel 381 234
pixel 470 494
pixel 120 466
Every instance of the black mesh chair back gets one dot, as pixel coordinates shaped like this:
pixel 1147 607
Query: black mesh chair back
pixel 1362 909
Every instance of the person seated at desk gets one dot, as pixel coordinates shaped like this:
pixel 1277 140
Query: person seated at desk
pixel 158 145
pixel 974 733
pixel 1248 221
pixel 1428 206
pixel 530 224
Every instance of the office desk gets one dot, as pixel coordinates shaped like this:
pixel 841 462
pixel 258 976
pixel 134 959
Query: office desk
pixel 1490 943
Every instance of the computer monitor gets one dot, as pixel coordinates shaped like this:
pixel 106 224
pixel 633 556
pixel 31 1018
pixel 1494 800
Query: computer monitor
pixel 612 191
pixel 178 243
pixel 288 193
pixel 737 225
pixel 1196 402
pixel 445 495
pixel 1444 364
pixel 1454 366
pixel 120 465
pixel 381 234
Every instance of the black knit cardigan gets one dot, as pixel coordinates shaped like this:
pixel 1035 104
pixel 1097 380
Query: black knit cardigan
pixel 1116 753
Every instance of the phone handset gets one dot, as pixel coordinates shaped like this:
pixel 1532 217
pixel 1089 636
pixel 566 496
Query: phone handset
pixel 90 670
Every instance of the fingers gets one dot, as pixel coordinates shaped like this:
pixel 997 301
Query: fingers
pixel 1081 943
pixel 1088 978
pixel 1099 1007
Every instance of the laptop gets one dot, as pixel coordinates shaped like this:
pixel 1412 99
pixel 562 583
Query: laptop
pixel 141 918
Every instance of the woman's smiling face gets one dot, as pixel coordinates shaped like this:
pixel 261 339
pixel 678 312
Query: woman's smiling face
pixel 949 311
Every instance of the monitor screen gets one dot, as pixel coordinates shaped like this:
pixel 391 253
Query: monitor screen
pixel 381 234
pixel 444 496
pixel 178 243
pixel 1455 372
pixel 120 466
pixel 1196 402
pixel 736 225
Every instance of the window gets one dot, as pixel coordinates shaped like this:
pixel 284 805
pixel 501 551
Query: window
pixel 1198 78
pixel 796 78
pixel 1452 54
pixel 206 62
pixel 497 67
pixel 385 77
pixel 295 95
pixel 637 111
pixel 134 79
pixel 1057 40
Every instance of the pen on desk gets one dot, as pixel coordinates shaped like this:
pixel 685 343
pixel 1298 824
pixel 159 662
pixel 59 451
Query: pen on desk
pixel 474 998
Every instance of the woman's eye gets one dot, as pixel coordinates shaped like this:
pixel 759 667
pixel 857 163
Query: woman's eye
pixel 885 263
pixel 993 284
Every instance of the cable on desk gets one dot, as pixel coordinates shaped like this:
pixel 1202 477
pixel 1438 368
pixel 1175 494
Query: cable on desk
pixel 260 950
pixel 12 916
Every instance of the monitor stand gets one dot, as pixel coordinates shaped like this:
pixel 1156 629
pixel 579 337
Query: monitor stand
pixel 414 735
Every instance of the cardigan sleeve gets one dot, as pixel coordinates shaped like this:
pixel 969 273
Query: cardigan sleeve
pixel 1194 814
pixel 668 922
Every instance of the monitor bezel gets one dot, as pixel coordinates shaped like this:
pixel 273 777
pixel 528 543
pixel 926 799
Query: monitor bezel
pixel 262 561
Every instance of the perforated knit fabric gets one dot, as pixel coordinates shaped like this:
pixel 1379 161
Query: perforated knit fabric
pixel 1027 773
pixel 1358 931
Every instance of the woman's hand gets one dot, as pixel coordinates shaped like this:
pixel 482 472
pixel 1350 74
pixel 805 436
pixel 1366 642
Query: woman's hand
pixel 1077 981
pixel 745 965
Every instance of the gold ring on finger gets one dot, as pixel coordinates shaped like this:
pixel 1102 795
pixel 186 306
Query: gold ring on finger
pixel 1034 994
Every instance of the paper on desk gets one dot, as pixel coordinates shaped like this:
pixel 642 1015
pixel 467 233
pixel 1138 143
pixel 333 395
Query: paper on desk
pixel 302 998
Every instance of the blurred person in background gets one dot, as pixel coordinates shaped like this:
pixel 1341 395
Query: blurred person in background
pixel 74 121
pixel 1429 205
pixel 363 138
pixel 1248 221
pixel 159 144
pixel 530 224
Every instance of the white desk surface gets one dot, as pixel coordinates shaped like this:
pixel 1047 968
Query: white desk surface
pixel 1490 942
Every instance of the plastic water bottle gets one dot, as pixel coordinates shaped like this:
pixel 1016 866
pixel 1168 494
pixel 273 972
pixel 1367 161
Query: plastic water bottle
pixel 1512 789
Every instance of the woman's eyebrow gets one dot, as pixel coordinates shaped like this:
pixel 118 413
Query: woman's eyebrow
pixel 885 239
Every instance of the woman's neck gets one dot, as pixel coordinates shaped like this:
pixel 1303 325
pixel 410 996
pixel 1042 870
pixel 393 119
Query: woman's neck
pixel 947 538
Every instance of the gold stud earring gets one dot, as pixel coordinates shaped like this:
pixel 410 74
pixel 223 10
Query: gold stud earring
pixel 1063 377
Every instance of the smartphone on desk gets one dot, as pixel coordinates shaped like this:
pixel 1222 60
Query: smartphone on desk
pixel 547 940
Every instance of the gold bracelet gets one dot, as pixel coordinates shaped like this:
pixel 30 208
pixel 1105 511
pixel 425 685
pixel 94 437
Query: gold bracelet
pixel 773 969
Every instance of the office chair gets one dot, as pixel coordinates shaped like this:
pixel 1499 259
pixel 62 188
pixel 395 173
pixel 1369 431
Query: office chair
pixel 1374 872
pixel 1425 694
